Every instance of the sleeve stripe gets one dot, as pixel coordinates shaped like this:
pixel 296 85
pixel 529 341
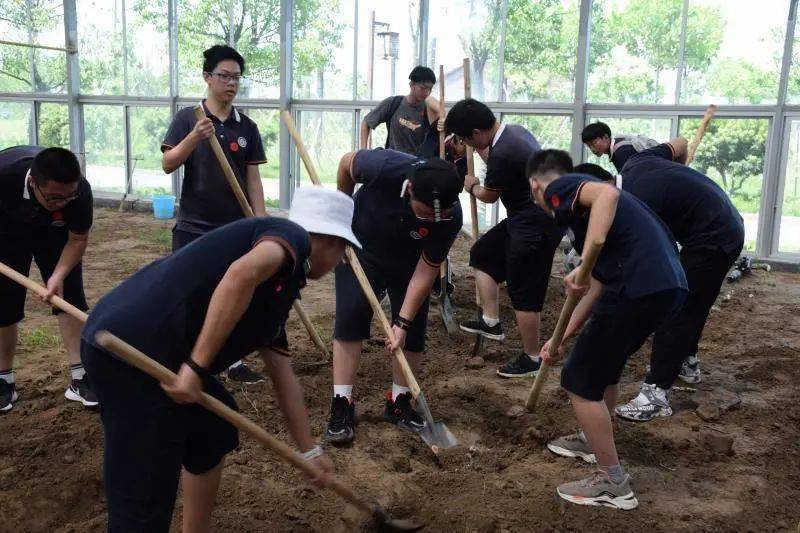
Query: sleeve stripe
pixel 496 189
pixel 283 242
pixel 429 262
pixel 577 196
pixel 165 147
pixel 278 350
pixel 260 162
pixel 671 149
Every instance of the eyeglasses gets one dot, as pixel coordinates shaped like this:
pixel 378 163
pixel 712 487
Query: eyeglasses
pixel 55 198
pixel 227 78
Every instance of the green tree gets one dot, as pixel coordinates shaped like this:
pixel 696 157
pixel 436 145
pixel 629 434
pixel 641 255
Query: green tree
pixel 480 43
pixel 741 82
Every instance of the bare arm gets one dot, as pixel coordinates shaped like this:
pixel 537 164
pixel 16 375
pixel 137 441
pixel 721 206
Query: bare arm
pixel 255 191
pixel 419 287
pixel 365 135
pixel 485 195
pixel 177 155
pixel 71 255
pixel 434 109
pixel 290 397
pixel 601 199
pixel 233 295
pixel 583 309
pixel 344 174
pixel 680 149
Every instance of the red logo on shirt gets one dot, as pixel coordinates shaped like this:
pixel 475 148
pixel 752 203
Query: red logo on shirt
pixel 234 146
pixel 279 287
pixel 423 232
pixel 555 201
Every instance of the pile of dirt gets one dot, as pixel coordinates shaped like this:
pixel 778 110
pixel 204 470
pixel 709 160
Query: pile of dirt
pixel 735 470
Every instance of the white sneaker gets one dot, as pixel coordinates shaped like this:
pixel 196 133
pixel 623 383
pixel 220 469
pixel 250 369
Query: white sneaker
pixel 649 404
pixel 690 370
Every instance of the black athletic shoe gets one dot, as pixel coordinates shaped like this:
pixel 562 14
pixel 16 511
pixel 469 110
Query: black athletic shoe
pixel 521 367
pixel 402 414
pixel 8 395
pixel 243 374
pixel 81 391
pixel 342 422
pixel 477 325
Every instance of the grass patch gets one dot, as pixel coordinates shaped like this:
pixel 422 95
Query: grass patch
pixel 39 338
pixel 160 237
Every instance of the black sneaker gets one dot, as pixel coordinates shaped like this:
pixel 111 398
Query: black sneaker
pixel 8 395
pixel 477 325
pixel 521 367
pixel 402 414
pixel 243 374
pixel 80 391
pixel 342 422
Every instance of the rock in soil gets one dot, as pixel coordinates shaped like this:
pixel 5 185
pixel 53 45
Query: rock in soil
pixel 515 411
pixel 475 363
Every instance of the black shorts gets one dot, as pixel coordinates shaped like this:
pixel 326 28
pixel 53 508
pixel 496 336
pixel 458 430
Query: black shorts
pixel 616 329
pixel 353 312
pixel 522 256
pixel 43 245
pixel 181 238
pixel 148 437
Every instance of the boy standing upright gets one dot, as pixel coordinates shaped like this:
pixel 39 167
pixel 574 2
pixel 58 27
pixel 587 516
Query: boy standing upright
pixel 207 201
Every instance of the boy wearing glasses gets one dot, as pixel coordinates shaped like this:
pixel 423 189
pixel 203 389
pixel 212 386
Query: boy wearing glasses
pixel 407 215
pixel 45 216
pixel 207 201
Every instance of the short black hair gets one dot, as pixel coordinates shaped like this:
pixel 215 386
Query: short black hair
pixel 219 52
pixel 467 115
pixel 545 161
pixel 56 164
pixel 434 179
pixel 594 170
pixel 421 74
pixel 595 130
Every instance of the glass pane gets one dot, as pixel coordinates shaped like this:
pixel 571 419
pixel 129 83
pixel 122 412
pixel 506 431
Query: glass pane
pixel 201 24
pixel 541 46
pixel 53 125
pixel 732 154
pixel 733 51
pixel 655 128
pixel 15 123
pixel 789 238
pixel 268 121
pixel 323 51
pixel 633 51
pixel 256 36
pixel 395 45
pixel 148 125
pixel 148 47
pixel 100 46
pixel 327 136
pixel 105 147
pixel 793 90
pixel 477 36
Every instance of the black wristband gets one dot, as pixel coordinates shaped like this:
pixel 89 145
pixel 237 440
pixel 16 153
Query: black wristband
pixel 403 323
pixel 469 191
pixel 199 370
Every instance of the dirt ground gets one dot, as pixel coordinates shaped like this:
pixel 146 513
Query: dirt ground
pixel 686 474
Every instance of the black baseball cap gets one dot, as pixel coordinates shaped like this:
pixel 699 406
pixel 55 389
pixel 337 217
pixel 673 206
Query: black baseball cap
pixel 435 179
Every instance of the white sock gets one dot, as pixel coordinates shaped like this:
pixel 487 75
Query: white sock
pixel 345 391
pixel 491 322
pixel 397 390
pixel 77 371
pixel 237 363
pixel 534 357
pixel 7 376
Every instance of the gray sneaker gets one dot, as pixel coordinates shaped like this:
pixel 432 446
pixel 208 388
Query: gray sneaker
pixel 572 445
pixel 690 370
pixel 598 489
pixel 649 404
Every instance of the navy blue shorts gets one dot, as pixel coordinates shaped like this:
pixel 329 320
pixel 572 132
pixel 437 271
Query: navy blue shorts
pixel 353 312
pixel 616 329
pixel 43 245
pixel 148 438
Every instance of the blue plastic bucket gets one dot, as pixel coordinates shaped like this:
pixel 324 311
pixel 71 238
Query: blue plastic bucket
pixel 163 206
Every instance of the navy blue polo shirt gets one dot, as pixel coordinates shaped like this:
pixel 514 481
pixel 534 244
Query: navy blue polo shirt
pixel 639 256
pixel 207 200
pixel 383 220
pixel 161 309
pixel 20 212
pixel 697 210
pixel 505 174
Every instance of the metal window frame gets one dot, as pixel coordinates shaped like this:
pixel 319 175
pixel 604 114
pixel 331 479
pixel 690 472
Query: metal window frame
pixel 780 114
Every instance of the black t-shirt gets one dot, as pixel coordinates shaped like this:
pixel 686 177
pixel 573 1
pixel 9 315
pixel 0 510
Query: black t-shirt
pixel 697 210
pixel 639 256
pixel 161 309
pixel 383 220
pixel 21 213
pixel 207 200
pixel 505 173
pixel 621 155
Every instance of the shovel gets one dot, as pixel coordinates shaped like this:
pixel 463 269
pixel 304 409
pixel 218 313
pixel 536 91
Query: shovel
pixel 436 435
pixel 135 358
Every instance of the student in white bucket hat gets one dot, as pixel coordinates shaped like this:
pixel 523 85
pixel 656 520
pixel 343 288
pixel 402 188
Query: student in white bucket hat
pixel 225 295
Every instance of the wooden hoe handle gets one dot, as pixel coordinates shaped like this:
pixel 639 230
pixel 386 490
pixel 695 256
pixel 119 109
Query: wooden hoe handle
pixel 701 131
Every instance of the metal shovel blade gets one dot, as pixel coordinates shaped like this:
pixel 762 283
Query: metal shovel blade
pixel 435 434
pixel 448 312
